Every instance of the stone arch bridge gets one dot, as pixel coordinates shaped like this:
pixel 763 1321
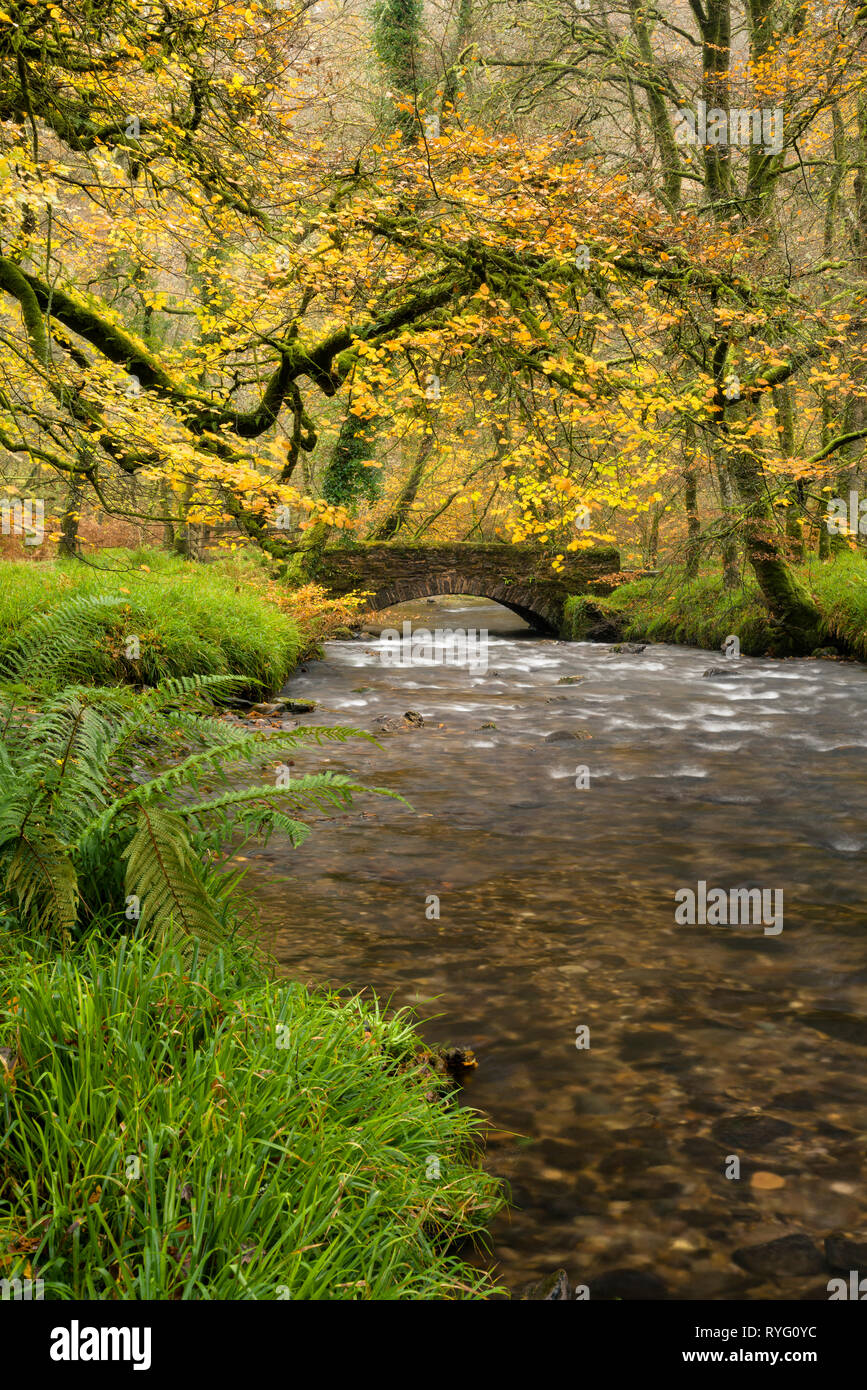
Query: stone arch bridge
pixel 519 577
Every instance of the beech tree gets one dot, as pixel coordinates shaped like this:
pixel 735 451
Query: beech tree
pixel 212 255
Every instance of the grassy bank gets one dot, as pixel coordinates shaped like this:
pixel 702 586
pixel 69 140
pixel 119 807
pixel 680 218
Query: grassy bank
pixel 174 1123
pixel 181 619
pixel 174 1129
pixel 702 613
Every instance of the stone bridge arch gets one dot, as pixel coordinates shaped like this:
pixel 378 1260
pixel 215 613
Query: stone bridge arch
pixel 518 577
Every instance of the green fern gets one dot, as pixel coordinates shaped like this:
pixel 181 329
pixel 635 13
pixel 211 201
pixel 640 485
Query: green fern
pixel 41 880
pixel 163 874
pixel 56 647
pixel 111 800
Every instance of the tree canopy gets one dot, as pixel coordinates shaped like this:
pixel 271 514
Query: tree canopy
pixel 522 269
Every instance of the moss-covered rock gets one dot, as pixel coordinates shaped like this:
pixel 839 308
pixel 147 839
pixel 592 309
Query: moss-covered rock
pixel 591 620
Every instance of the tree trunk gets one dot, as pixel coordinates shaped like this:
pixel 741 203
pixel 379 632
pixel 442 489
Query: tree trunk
pixel 68 544
pixel 396 36
pixel 396 518
pixel 729 544
pixel 693 525
pixel 795 615
pixel 784 405
pixel 183 538
pixel 168 526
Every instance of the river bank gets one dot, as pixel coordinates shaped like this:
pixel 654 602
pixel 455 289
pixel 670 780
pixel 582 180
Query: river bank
pixel 702 612
pixel 176 1129
pixel 174 1122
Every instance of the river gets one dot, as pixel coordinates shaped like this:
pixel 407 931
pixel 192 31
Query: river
pixel 556 893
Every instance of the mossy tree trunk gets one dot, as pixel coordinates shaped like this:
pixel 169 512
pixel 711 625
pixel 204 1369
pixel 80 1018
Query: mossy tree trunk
pixel 690 498
pixel 728 543
pixel 396 36
pixel 784 406
pixel 71 515
pixel 396 518
pixel 794 612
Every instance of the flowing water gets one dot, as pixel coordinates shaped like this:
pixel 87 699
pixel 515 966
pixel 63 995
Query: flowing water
pixel 557 908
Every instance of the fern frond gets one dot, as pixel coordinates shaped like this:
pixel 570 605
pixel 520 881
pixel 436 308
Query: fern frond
pixel 258 810
pixel 68 752
pixel 200 728
pixel 252 750
pixel 41 880
pixel 164 873
pixel 58 643
pixel 178 689
pixel 319 789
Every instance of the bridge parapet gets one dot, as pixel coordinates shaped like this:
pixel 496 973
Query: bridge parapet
pixel 519 577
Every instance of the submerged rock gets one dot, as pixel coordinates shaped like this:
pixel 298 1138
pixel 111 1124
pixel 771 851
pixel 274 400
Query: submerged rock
pixel 458 1059
pixel 750 1131
pixel 387 724
pixel 789 1255
pixel 629 648
pixel 845 1027
pixel 713 671
pixel 448 1065
pixel 842 1253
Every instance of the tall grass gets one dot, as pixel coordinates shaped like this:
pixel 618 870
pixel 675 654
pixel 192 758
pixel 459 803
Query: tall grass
pixel 697 613
pixel 187 619
pixel 185 1131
